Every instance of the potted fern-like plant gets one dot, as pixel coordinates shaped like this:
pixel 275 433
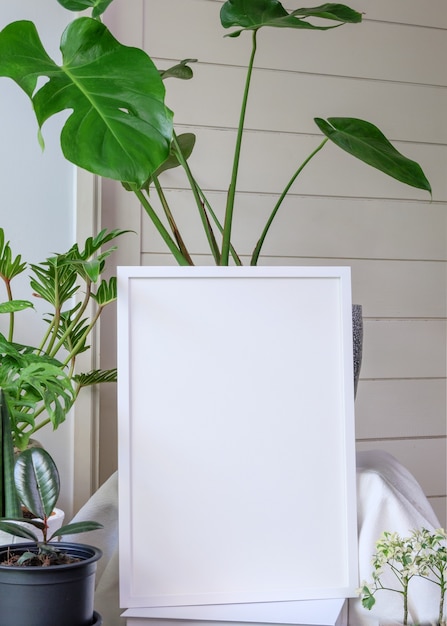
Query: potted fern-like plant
pixel 40 381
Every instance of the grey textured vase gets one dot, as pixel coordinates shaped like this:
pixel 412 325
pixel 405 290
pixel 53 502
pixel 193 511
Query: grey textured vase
pixel 357 341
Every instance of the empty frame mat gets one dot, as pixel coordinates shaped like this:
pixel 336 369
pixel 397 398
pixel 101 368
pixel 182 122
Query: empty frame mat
pixel 237 472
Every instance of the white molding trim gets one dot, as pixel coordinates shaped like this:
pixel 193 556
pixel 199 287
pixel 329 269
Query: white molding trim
pixel 86 409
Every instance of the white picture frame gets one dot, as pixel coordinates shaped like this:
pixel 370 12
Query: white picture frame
pixel 236 435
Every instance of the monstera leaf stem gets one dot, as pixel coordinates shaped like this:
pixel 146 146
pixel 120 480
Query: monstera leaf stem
pixel 200 200
pixel 226 240
pixel 257 250
pixel 219 226
pixel 174 228
pixel 173 248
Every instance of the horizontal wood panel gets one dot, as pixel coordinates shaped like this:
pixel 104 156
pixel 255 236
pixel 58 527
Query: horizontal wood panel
pixel 433 13
pixel 404 349
pixel 400 289
pixel 315 227
pixel 400 408
pixel 414 454
pixel 389 289
pixel 385 288
pixel 416 114
pixel 439 506
pixel 352 50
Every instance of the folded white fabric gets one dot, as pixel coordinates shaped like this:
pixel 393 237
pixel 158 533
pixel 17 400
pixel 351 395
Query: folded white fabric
pixel 388 498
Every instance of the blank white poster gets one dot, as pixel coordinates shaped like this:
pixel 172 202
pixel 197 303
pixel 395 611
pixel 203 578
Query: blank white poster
pixel 237 476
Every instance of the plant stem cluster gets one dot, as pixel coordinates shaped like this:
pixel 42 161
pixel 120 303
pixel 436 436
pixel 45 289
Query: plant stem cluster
pixel 423 553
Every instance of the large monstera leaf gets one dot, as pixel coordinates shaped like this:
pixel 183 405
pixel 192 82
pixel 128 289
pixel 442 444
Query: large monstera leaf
pixel 254 14
pixel 119 126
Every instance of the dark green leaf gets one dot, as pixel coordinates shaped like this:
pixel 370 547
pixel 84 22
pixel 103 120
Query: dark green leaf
pixel 98 6
pixel 9 267
pixel 368 601
pixel 186 142
pixel 77 527
pixel 119 126
pixel 15 305
pixel 54 280
pixel 17 530
pixel 106 293
pixel 330 11
pixel 254 14
pixel 366 142
pixel 96 377
pixel 181 70
pixel 37 482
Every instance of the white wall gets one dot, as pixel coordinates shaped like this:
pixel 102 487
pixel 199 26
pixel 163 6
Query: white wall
pixel 36 197
pixel 389 70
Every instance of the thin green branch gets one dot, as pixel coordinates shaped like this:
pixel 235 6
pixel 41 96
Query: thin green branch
pixel 228 222
pixel 171 220
pixel 219 226
pixel 73 324
pixel 199 197
pixel 173 248
pixel 11 315
pixel 257 250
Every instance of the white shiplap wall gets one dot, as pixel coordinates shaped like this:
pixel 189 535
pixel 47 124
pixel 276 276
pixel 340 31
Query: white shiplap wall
pixel 390 70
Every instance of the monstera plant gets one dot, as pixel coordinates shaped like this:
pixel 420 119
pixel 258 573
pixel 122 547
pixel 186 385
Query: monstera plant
pixel 119 126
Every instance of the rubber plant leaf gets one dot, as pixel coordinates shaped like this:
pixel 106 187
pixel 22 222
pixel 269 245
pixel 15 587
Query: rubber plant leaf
pixel 77 527
pixel 366 142
pixel 119 126
pixel 254 14
pixel 98 6
pixel 17 530
pixel 37 481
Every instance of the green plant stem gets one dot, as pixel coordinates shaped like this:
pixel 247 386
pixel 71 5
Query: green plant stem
pixel 54 325
pixel 200 199
pixel 441 601
pixel 177 254
pixel 229 209
pixel 219 226
pixel 76 319
pixel 260 243
pixel 11 315
pixel 171 220
pixel 74 351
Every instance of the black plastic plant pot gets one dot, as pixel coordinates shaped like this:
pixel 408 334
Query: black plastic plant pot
pixel 55 595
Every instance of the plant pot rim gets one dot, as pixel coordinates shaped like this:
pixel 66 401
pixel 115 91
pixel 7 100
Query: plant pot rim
pixel 86 553
pixel 97 618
